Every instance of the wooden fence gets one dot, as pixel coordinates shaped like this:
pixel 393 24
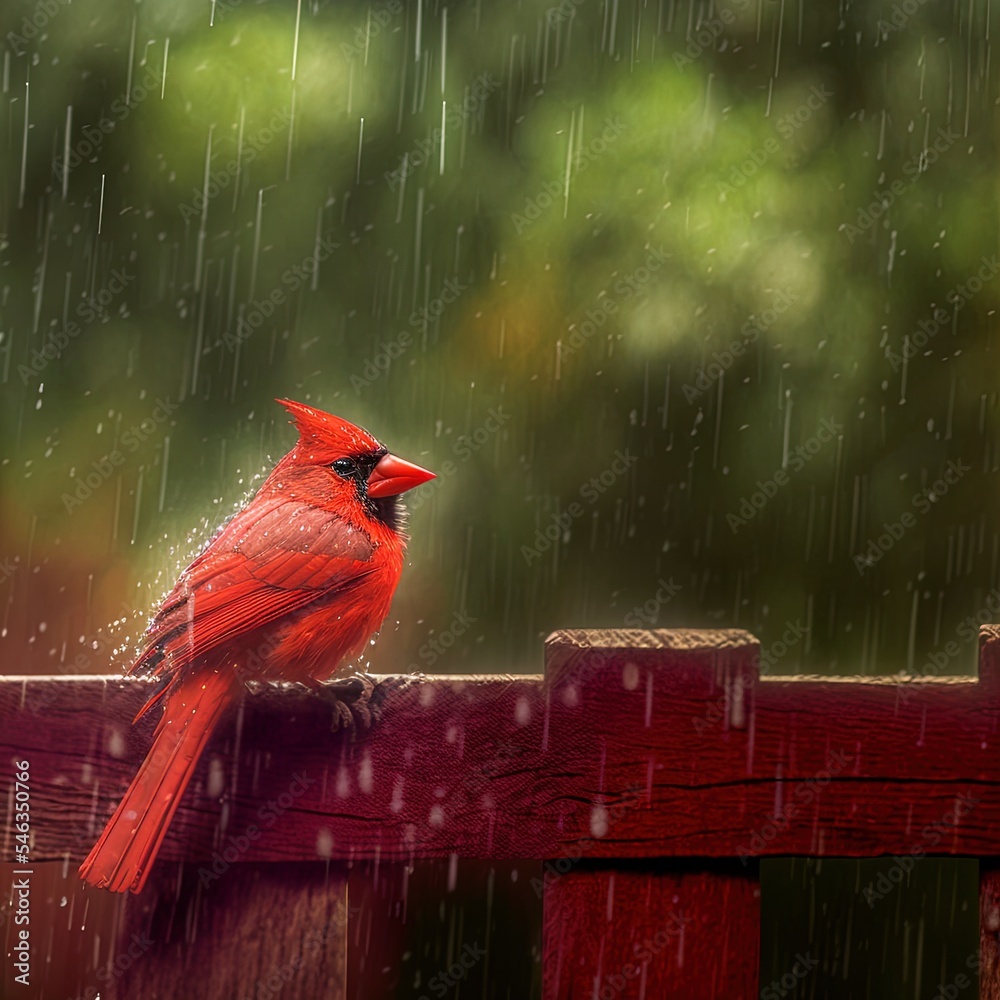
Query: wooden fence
pixel 633 745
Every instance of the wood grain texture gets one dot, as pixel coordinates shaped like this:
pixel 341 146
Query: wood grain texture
pixel 989 933
pixel 634 934
pixel 635 744
pixel 262 931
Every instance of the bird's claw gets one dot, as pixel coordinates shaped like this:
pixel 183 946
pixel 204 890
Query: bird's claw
pixel 351 698
pixel 394 685
pixel 357 700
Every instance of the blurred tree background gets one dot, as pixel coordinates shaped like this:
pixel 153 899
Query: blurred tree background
pixel 690 305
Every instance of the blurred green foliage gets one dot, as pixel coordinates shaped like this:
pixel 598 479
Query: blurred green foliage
pixel 775 156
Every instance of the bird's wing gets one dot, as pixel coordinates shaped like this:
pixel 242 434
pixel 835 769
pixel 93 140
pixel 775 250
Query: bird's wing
pixel 275 556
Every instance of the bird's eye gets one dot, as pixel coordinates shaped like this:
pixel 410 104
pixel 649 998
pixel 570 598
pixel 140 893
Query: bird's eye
pixel 344 467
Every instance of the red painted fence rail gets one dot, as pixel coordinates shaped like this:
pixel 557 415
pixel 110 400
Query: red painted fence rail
pixel 632 745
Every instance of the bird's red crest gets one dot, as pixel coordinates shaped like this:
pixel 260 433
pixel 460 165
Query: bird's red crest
pixel 324 437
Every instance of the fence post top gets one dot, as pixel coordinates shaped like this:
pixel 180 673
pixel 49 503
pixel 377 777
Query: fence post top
pixel 677 656
pixel 655 638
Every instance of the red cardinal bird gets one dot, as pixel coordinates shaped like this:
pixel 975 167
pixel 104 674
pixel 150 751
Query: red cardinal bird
pixel 298 580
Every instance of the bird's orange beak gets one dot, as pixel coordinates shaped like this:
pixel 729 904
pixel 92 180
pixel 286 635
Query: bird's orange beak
pixel 393 476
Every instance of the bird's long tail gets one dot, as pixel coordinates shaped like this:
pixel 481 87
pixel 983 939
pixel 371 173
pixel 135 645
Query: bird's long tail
pixel 122 857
